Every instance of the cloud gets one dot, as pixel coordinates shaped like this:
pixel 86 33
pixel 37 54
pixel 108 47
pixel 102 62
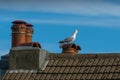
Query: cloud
pixel 105 22
pixel 71 12
pixel 95 21
pixel 88 7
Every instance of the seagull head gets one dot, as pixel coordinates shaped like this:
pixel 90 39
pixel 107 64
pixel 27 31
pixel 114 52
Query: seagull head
pixel 76 31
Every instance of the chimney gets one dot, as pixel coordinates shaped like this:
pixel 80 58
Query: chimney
pixel 25 54
pixel 29 32
pixel 18 32
pixel 70 48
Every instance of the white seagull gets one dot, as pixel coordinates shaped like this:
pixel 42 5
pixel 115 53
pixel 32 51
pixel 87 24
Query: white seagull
pixel 71 38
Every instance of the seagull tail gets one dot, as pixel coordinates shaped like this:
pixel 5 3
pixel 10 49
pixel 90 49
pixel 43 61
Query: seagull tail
pixel 61 41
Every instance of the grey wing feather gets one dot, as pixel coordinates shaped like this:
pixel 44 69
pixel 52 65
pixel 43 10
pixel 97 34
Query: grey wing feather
pixel 69 39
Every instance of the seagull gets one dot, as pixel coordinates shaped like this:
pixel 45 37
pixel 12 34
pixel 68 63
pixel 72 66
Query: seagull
pixel 71 38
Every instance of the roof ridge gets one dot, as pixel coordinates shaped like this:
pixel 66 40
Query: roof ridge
pixel 82 56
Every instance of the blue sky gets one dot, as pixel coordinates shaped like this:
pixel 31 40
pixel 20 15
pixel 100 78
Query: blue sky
pixel 98 22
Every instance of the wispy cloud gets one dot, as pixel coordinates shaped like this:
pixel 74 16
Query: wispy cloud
pixel 88 7
pixel 80 22
pixel 83 12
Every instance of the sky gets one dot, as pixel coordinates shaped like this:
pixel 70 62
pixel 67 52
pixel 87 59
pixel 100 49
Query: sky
pixel 98 23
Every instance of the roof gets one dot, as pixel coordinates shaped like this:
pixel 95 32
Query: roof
pixel 79 67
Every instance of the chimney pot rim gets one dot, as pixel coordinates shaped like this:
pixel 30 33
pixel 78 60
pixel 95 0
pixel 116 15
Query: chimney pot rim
pixel 29 25
pixel 19 22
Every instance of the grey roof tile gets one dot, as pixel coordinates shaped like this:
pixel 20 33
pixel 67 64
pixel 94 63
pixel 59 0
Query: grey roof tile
pixel 7 76
pixel 27 77
pixel 78 76
pixel 115 76
pixel 73 76
pixel 24 75
pixel 110 76
pixel 88 77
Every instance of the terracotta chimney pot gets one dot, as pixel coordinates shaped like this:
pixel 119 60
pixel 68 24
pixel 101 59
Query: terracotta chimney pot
pixel 18 32
pixel 70 48
pixel 29 32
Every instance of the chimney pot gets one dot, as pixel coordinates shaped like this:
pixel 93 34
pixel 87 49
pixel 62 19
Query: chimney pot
pixel 29 32
pixel 18 32
pixel 70 48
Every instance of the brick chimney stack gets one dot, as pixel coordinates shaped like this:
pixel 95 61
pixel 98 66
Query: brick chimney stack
pixel 29 32
pixel 18 32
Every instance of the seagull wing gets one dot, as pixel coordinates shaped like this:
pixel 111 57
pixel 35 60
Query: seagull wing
pixel 69 39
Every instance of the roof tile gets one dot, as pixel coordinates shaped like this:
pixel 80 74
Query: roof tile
pixel 119 76
pixel 32 77
pixel 110 76
pixel 97 69
pixel 89 76
pixel 95 62
pixel 68 76
pixel 62 70
pixel 104 76
pixel 71 69
pixel 94 76
pixel 117 69
pixel 12 76
pixel 58 76
pixel 43 76
pixel 84 76
pixel 79 76
pixel 111 61
pixel 24 75
pixel 91 61
pixel 116 61
pixel 115 76
pixel 6 76
pixel 99 76
pixel 81 69
pixel 92 70
pixel 27 77
pixel 38 76
pixel 107 70
pixel 73 76
pixel 85 62
pixel 57 70
pixel 80 63
pixel 105 62
pixel 67 69
pixel 63 76
pixel 50 62
pixel 113 69
pixel 52 69
pixel 48 76
pixel 102 69
pixel 75 62
pixel 47 69
pixel 86 70
pixel 100 62
pixel 76 70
